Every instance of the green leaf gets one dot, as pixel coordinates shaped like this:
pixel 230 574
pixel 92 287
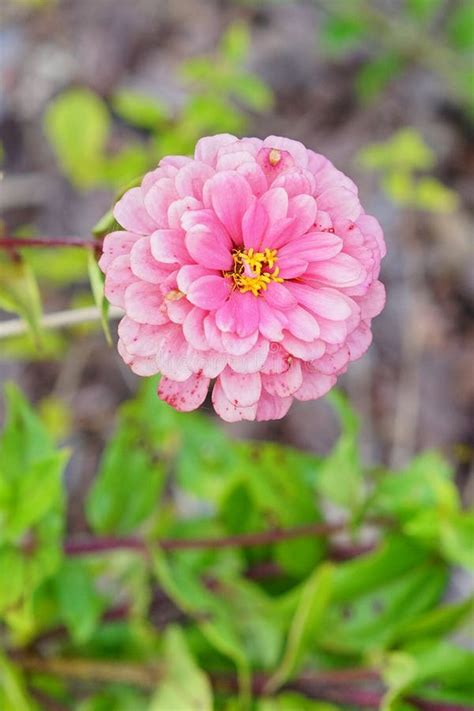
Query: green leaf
pixel 77 125
pixel 79 606
pixel 19 294
pixel 126 467
pixel 438 621
pixel 340 476
pixel 182 685
pixel 433 196
pixel 375 75
pixel 96 279
pixel 13 695
pixel 342 33
pixel 306 623
pixel 399 186
pixel 139 109
pixel 460 26
pixel 291 701
pixel 235 42
pixel 252 92
pixel 404 151
pixel 422 10
pixel 106 224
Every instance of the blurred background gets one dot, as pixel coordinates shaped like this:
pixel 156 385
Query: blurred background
pixel 94 92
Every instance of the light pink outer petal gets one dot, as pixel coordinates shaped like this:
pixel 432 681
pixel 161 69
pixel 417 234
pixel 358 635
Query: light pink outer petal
pixel 271 407
pixel 185 396
pixel 209 292
pixel 143 303
pixel 241 389
pixel 131 214
pixel 228 411
pixel 314 385
pixel 116 244
pixel 286 383
pixel 207 148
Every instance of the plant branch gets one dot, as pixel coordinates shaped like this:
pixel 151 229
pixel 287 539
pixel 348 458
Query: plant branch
pixel 338 686
pixel 107 544
pixel 59 319
pixel 21 242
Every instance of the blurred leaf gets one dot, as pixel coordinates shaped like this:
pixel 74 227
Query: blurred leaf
pixel 56 417
pixel 291 701
pixel 399 187
pixel 306 623
pixel 124 167
pixel 422 9
pixel 77 125
pixel 115 698
pixel 182 685
pixel 19 294
pixel 96 279
pixel 405 151
pixel 376 74
pixel 437 621
pixel 340 476
pixel 235 43
pixel 125 467
pixel 58 266
pixel 13 695
pixel 139 109
pixel 252 92
pixel 342 33
pixel 79 606
pixel 460 26
pixel 433 196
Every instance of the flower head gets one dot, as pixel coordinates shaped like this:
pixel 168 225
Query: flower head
pixel 252 264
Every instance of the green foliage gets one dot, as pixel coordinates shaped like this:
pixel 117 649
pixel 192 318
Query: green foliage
pixel 399 159
pixel 19 294
pixel 277 608
pixel 79 124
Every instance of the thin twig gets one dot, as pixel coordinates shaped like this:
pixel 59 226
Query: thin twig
pixel 21 242
pixel 101 545
pixel 59 319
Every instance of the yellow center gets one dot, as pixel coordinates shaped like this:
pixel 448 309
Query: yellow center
pixel 253 271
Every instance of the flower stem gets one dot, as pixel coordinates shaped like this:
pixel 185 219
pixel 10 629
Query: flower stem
pixel 21 242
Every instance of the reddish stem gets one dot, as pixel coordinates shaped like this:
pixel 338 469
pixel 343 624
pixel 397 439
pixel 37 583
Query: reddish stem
pixel 100 545
pixel 20 242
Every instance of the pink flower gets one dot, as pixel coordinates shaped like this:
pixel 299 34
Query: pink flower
pixel 252 264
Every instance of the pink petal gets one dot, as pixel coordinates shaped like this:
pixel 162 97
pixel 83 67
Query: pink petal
pixel 279 233
pixel 158 199
pixel 131 214
pixel 139 339
pixel 139 365
pixel 303 209
pixel 279 297
pixel 184 396
pixel 230 195
pixel 206 249
pixel 144 265
pixel 334 332
pixel 271 322
pixel 271 407
pixel 207 148
pixel 228 411
pixel 193 329
pixel 369 225
pixel 373 301
pixel 191 177
pixel 295 148
pixel 314 385
pixel 241 390
pixel 254 176
pixel 333 363
pixel 286 383
pixel 211 363
pixel 209 292
pixel 323 301
pixel 172 355
pixel 238 345
pixel 168 246
pixel 273 164
pixel 179 208
pixel 239 314
pixel 254 225
pixel 295 183
pixel 303 349
pixel 359 340
pixel 116 244
pixel 302 324
pixel 340 202
pixel 275 202
pixel 119 276
pixel 278 360
pixel 190 273
pixel 233 160
pixel 314 246
pixel 341 270
pixel 291 267
pixel 143 303
pixel 177 306
pixel 253 360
